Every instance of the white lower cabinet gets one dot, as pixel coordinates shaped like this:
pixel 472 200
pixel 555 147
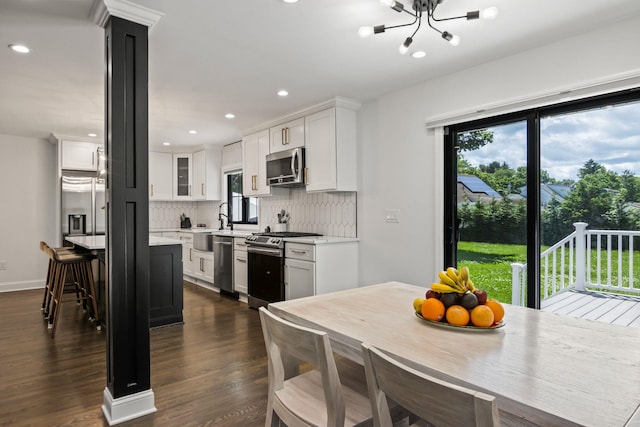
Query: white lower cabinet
pixel 240 272
pixel 299 278
pixel 203 265
pixel 187 251
pixel 319 269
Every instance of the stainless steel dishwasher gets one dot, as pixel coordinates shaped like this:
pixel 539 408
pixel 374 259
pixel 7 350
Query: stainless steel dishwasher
pixel 223 263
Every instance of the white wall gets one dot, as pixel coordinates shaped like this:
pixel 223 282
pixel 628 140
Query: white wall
pixel 400 165
pixel 27 192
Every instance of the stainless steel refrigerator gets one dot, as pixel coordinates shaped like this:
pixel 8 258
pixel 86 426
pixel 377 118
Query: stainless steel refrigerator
pixel 82 204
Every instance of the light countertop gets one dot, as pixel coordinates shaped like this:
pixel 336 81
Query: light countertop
pixel 320 240
pixel 215 231
pixel 98 242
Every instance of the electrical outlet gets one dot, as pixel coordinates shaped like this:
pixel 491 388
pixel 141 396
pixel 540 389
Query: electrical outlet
pixel 3 265
pixel 392 215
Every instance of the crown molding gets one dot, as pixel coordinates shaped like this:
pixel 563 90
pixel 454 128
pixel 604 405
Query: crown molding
pixel 102 10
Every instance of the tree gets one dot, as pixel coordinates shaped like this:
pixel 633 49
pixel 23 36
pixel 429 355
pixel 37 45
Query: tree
pixel 473 140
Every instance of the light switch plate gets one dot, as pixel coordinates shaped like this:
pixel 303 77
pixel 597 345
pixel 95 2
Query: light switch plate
pixel 392 215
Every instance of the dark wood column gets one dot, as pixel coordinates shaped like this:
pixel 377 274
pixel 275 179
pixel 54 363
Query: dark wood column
pixel 127 248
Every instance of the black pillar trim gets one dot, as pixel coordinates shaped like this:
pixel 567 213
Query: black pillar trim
pixel 127 246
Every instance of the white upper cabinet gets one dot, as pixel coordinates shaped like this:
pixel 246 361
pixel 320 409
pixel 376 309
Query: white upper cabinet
pixel 80 155
pixel 182 176
pixel 255 148
pixel 286 136
pixel 207 166
pixel 160 176
pixel 330 150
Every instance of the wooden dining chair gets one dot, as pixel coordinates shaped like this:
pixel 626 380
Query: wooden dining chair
pixel 435 401
pixel 323 396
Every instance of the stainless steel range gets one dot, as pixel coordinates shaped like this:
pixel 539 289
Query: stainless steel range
pixel 265 254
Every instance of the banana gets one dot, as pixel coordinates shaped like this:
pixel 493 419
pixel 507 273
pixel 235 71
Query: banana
pixel 464 273
pixel 453 274
pixel 446 280
pixel 470 285
pixel 444 289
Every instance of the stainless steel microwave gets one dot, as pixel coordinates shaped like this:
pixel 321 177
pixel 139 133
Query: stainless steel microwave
pixel 286 168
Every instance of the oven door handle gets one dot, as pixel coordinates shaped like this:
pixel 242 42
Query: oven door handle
pixel 265 251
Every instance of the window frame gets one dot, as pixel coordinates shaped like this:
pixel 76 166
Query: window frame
pixel 245 201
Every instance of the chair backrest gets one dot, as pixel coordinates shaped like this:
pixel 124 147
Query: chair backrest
pixel 285 340
pixel 436 401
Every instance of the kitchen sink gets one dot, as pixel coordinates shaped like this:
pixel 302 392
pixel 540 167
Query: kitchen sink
pixel 203 241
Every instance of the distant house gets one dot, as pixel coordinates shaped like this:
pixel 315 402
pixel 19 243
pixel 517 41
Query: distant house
pixel 473 189
pixel 549 192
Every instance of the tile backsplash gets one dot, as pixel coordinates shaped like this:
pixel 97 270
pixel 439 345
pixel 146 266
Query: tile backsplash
pixel 330 214
pixel 163 215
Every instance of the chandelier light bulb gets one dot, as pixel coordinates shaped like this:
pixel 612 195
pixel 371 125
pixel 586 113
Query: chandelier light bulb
pixel 389 3
pixel 365 31
pixel 419 54
pixel 455 40
pixel 404 47
pixel 489 13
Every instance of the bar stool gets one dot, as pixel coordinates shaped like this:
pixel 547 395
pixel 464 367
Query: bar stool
pixel 79 265
pixel 48 288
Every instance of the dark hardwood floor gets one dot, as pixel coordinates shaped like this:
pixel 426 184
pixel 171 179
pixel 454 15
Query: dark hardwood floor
pixel 211 371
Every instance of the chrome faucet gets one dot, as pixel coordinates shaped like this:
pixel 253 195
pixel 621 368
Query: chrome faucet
pixel 220 215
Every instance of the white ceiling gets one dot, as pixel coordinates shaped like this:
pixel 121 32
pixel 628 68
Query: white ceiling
pixel 211 57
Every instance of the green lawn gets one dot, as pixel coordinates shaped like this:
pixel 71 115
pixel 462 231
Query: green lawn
pixel 490 266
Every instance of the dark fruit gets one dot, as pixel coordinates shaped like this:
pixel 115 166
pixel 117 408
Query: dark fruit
pixel 432 294
pixel 481 295
pixel 469 301
pixel 449 299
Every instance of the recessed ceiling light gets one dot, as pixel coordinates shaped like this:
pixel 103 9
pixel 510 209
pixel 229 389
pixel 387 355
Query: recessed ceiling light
pixel 166 143
pixel 230 116
pixel 193 131
pixel 290 1
pixel 419 54
pixel 20 48
pixel 92 135
pixel 283 93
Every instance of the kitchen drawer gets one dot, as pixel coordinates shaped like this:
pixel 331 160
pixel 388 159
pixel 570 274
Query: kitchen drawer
pixel 239 244
pixel 300 251
pixel 185 237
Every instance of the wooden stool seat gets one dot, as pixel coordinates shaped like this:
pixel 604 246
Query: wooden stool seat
pixel 78 265
pixel 48 288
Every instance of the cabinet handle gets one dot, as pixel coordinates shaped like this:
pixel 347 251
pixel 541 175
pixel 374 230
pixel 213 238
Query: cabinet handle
pixel 190 254
pixel 93 155
pixel 241 260
pixel 306 176
pixel 254 185
pixel 298 251
pixel 283 136
pixel 202 264
pixel 202 189
pixel 151 190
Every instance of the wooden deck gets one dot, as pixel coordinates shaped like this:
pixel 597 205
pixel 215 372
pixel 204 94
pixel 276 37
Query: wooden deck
pixel 600 306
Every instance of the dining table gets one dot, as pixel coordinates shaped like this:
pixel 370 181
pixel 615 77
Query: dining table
pixel 544 369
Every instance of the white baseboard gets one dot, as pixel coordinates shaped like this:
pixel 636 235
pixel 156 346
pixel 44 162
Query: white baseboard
pixel 126 408
pixel 21 286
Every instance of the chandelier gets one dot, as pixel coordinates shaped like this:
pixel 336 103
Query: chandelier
pixel 428 7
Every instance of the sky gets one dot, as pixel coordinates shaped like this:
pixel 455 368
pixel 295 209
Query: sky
pixel 610 136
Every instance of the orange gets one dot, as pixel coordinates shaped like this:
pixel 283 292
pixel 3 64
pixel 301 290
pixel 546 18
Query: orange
pixel 482 316
pixel 433 309
pixel 497 308
pixel 457 315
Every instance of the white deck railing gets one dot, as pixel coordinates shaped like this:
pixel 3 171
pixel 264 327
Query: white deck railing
pixel 570 264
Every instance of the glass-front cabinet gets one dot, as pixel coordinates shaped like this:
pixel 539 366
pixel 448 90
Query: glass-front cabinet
pixel 182 179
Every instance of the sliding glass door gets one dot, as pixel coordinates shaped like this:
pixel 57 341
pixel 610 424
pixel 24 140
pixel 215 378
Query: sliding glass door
pixel 516 184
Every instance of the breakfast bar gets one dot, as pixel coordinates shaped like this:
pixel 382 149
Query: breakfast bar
pixel 165 277
pixel 544 369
